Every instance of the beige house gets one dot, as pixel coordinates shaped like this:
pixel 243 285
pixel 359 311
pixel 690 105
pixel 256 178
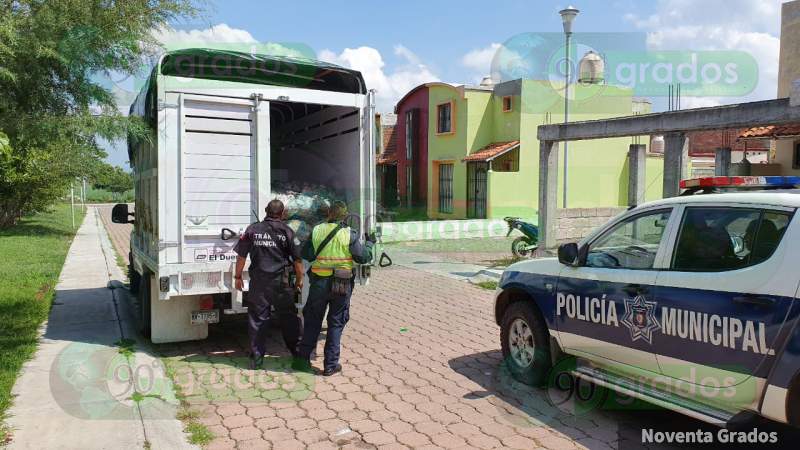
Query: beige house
pixel 785 154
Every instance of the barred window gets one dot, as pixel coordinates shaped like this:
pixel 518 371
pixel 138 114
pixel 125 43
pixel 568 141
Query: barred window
pixel 445 188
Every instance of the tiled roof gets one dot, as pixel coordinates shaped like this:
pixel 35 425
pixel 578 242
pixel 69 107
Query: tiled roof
pixel 492 151
pixel 771 132
pixel 389 139
pixel 385 158
pixel 388 156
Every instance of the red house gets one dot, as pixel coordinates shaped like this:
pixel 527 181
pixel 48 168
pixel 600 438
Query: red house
pixel 412 148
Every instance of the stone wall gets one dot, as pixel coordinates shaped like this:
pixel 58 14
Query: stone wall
pixel 576 223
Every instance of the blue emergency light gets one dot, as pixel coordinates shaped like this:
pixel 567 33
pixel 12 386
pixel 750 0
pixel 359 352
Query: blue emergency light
pixel 745 181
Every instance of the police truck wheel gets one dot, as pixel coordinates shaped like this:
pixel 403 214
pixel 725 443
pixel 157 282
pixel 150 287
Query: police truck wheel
pixel 143 309
pixel 133 276
pixel 525 344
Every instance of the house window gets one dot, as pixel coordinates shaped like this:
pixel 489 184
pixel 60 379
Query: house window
pixel 410 134
pixel 508 162
pixel 796 157
pixel 444 118
pixel 445 188
pixel 409 186
pixel 508 103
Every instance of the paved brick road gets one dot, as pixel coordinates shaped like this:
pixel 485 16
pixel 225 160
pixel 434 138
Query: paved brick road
pixel 422 368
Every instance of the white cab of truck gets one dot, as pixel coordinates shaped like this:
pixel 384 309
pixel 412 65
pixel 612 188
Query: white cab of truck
pixel 226 128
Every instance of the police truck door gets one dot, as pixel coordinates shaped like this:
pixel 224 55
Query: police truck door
pixel 727 294
pixel 604 308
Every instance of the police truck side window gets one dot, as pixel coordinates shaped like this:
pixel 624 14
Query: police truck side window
pixel 632 244
pixel 713 239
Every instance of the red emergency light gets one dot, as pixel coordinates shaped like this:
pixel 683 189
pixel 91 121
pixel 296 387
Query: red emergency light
pixel 742 181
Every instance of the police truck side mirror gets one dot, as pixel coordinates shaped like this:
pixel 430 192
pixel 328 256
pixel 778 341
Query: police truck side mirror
pixel 120 214
pixel 568 254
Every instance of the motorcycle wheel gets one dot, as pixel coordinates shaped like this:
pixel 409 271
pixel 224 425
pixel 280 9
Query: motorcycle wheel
pixel 520 248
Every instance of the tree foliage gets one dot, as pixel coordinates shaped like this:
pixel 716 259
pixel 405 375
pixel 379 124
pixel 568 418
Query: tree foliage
pixel 111 178
pixel 52 108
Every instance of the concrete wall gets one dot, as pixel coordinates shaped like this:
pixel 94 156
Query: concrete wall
pixel 573 225
pixel 788 71
pixel 576 223
pixel 789 59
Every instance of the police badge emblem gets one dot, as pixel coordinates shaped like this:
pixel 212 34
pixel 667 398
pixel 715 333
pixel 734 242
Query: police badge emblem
pixel 640 318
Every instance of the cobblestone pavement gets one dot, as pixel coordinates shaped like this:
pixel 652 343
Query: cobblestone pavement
pixel 422 369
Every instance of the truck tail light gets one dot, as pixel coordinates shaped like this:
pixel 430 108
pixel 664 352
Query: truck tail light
pixel 206 302
pixel 200 280
pixel 163 284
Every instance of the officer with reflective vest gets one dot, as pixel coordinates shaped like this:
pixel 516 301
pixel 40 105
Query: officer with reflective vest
pixel 332 250
pixel 273 248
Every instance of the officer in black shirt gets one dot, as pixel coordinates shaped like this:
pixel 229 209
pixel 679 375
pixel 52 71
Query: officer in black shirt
pixel 272 247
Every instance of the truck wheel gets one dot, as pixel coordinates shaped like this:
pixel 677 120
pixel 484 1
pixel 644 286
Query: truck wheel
pixel 133 276
pixel 144 296
pixel 525 344
pixel 519 248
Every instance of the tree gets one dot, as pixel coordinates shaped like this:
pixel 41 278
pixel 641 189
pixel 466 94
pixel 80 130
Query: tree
pixel 111 178
pixel 52 109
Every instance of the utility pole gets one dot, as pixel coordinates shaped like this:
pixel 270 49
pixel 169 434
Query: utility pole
pixel 567 16
pixel 72 201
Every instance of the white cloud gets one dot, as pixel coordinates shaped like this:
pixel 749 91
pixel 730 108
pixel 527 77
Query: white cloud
pixel 391 85
pixel 752 26
pixel 480 59
pixel 221 33
pixel 224 37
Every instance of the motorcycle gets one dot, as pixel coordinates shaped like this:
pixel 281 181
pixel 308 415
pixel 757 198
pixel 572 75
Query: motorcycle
pixel 523 246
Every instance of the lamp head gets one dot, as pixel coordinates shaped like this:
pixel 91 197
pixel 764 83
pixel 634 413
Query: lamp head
pixel 567 16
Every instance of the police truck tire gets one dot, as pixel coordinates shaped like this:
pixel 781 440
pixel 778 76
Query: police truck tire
pixel 525 344
pixel 133 276
pixel 143 309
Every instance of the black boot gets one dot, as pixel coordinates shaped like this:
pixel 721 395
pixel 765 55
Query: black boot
pixel 255 362
pixel 332 370
pixel 301 364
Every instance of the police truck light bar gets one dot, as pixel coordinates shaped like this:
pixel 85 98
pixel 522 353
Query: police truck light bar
pixel 748 181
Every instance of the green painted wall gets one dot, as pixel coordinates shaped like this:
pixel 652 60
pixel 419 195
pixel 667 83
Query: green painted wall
pixel 598 174
pixel 447 147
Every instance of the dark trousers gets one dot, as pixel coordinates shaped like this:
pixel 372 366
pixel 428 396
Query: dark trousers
pixel 263 295
pixel 320 298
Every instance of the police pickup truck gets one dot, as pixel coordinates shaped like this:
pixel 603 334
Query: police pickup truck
pixel 689 303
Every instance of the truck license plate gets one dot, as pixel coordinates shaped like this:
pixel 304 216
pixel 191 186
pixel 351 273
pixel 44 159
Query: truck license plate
pixel 205 316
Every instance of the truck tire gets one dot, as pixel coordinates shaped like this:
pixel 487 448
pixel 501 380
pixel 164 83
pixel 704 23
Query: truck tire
pixel 143 309
pixel 133 276
pixel 525 344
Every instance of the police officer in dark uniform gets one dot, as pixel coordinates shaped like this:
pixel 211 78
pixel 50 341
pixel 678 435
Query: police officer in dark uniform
pixel 332 249
pixel 272 247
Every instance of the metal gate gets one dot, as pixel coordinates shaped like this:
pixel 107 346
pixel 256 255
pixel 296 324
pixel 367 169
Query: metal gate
pixel 476 189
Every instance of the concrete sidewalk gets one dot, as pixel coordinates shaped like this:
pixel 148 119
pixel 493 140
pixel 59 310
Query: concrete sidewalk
pixel 79 391
pixel 430 263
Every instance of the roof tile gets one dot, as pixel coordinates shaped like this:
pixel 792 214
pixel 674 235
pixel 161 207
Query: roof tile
pixel 491 151
pixel 771 131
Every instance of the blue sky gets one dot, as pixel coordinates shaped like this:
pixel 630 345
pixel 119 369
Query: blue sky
pixel 398 45
pixel 440 32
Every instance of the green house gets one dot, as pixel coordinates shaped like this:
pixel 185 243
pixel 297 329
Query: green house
pixel 483 154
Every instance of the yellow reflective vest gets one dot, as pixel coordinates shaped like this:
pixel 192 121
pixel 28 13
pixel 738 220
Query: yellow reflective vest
pixel 335 255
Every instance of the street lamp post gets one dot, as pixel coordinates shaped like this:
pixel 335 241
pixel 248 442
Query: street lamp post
pixel 567 16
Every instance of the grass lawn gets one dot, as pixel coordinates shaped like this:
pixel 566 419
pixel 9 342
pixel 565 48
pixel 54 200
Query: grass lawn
pixel 32 255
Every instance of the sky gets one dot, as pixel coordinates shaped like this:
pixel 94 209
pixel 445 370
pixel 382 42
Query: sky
pixel 399 45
